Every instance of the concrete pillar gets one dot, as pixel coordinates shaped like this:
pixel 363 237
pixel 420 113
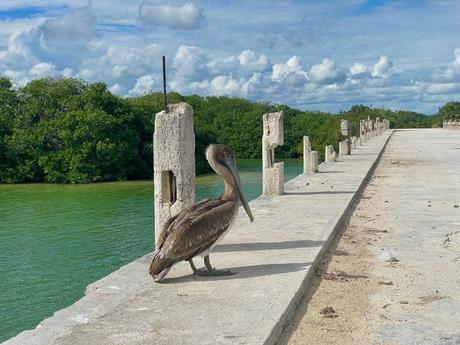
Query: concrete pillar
pixel 361 129
pixel 313 161
pixel 273 136
pixel 386 124
pixel 173 163
pixel 377 126
pixel 344 128
pixel 354 142
pixel 330 155
pixel 344 148
pixel 306 154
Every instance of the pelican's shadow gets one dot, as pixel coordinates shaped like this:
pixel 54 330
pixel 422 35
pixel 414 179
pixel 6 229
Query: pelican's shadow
pixel 244 272
pixel 240 247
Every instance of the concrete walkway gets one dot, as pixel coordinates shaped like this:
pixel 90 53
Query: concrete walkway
pixel 421 179
pixel 274 258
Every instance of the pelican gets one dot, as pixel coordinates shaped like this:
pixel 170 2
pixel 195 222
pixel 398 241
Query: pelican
pixel 197 229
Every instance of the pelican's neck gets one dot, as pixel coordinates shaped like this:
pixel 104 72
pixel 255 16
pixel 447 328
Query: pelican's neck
pixel 230 192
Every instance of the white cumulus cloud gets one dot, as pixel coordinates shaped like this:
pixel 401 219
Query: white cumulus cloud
pixel 292 70
pixel 382 67
pixel 325 72
pixel 144 84
pixel 249 60
pixel 185 17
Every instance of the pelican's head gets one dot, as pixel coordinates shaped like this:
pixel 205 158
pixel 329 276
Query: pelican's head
pixel 222 160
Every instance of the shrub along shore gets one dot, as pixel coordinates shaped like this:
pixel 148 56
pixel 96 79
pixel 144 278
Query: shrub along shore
pixel 68 131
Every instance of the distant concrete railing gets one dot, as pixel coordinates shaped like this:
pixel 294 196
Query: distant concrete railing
pixel 451 124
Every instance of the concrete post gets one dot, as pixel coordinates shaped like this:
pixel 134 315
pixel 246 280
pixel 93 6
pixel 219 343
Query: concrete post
pixel 306 154
pixel 173 163
pixel 386 124
pixel 313 161
pixel 330 155
pixel 361 129
pixel 273 136
pixel 354 142
pixel 344 127
pixel 343 148
pixel 377 126
pixel 360 141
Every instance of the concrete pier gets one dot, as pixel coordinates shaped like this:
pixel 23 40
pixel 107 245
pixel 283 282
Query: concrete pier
pixel 173 162
pixel 274 259
pixel 273 136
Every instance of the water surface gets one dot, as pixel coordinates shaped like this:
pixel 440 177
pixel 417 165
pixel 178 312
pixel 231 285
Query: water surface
pixel 57 239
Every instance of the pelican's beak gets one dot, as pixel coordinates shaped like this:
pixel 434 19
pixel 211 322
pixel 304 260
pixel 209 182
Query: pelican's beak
pixel 230 163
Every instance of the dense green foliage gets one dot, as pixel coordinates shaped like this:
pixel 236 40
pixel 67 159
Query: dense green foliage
pixel 67 131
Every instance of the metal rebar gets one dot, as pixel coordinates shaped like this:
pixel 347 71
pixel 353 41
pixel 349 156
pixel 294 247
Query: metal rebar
pixel 165 98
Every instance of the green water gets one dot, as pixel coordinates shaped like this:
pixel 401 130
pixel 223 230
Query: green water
pixel 57 239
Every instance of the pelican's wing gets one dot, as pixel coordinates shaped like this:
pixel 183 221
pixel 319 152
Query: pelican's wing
pixel 193 233
pixel 172 222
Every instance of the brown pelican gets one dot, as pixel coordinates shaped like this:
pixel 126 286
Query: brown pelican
pixel 196 230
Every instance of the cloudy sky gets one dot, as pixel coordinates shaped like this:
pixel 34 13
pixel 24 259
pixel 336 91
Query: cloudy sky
pixel 316 55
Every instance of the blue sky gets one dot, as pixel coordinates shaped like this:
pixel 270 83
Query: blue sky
pixel 316 55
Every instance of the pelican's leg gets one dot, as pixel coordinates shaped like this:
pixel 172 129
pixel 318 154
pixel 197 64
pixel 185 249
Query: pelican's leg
pixel 212 271
pixel 197 271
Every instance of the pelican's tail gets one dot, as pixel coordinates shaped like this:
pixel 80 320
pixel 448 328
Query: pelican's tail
pixel 160 266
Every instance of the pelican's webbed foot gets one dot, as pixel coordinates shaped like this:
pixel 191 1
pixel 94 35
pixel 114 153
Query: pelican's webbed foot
pixel 209 271
pixel 212 271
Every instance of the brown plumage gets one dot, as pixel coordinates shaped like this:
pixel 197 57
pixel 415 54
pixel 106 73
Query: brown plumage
pixel 196 230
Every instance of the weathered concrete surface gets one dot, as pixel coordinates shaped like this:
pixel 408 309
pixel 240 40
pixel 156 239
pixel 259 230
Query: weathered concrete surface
pixel 173 162
pixel 344 148
pixel 313 162
pixel 273 259
pixel 307 164
pixel 409 208
pixel 330 154
pixel 421 184
pixel 273 136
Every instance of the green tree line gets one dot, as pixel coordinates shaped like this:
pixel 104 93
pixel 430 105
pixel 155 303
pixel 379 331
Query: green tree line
pixel 68 131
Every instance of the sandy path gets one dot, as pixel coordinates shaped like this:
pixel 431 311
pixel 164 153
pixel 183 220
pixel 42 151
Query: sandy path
pixel 410 208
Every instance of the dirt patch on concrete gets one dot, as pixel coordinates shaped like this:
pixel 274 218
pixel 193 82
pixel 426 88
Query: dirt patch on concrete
pixel 337 309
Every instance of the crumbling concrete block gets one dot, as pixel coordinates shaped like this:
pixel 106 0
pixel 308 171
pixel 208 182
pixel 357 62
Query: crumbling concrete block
pixel 273 136
pixel 344 127
pixel 377 127
pixel 306 154
pixel 173 163
pixel 330 155
pixel 344 148
pixel 386 124
pixel 363 130
pixel 313 161
pixel 354 142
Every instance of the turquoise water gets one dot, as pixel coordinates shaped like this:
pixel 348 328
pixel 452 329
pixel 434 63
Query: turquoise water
pixel 57 239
